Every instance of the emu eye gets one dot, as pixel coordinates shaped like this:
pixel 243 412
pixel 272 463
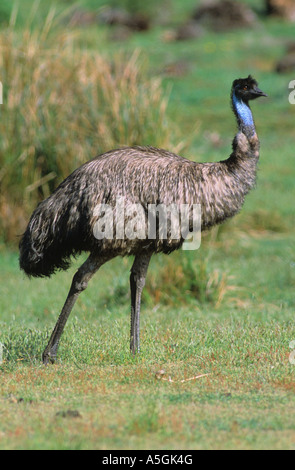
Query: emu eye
pixel 245 87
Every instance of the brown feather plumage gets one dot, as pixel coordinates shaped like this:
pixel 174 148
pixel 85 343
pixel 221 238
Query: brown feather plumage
pixel 63 225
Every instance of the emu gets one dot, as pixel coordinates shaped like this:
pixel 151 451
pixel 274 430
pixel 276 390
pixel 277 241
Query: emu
pixel 63 225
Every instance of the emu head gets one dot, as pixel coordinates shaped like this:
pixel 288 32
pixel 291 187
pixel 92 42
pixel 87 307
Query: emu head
pixel 247 89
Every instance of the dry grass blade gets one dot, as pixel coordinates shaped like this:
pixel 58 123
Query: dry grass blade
pixel 160 376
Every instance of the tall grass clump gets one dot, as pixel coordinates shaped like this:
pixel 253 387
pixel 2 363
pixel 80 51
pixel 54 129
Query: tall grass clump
pixel 62 105
pixel 188 277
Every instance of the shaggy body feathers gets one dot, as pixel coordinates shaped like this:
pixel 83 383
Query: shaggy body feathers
pixel 62 225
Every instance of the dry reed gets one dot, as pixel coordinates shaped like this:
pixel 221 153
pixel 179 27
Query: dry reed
pixel 63 105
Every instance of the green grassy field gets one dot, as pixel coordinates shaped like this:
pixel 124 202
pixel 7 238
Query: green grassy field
pixel 225 311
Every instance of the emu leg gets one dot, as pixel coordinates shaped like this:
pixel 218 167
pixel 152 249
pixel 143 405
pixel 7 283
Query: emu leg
pixel 137 282
pixel 79 283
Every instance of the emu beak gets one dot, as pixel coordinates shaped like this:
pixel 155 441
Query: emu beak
pixel 257 92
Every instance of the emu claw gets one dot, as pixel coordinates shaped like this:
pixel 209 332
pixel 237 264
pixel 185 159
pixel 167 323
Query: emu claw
pixel 47 358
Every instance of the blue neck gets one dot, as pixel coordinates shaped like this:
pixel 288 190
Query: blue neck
pixel 244 115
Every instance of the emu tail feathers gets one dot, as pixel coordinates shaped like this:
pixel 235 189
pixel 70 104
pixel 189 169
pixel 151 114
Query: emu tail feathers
pixel 57 230
pixel 40 259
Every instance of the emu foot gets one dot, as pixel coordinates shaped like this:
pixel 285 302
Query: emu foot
pixel 134 347
pixel 49 355
pixel 48 358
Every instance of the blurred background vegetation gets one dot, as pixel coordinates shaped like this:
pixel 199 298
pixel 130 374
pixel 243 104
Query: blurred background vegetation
pixel 80 78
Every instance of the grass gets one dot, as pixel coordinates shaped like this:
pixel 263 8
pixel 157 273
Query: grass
pixel 226 311
pixel 149 413
pixel 98 396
